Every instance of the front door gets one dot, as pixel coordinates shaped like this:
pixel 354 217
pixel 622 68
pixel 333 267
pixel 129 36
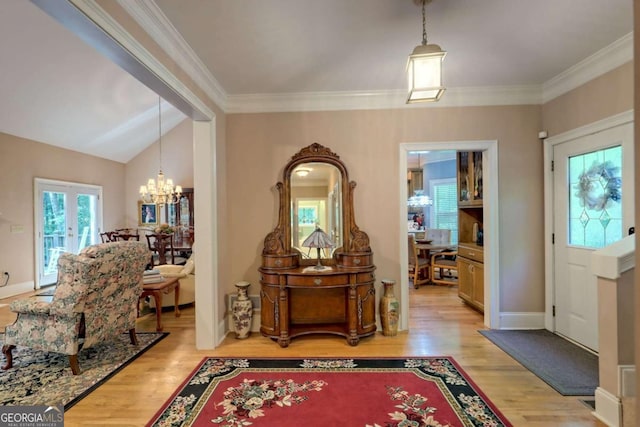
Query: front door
pixel 593 207
pixel 68 216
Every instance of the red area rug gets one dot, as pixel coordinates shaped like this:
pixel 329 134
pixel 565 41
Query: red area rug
pixel 430 391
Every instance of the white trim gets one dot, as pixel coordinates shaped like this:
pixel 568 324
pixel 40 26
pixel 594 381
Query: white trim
pixel 608 408
pixel 522 320
pixel 548 144
pixel 491 222
pixel 70 189
pixel 92 10
pixel 150 17
pixel 613 260
pixel 616 54
pixel 209 319
pixel 373 100
pixel 16 289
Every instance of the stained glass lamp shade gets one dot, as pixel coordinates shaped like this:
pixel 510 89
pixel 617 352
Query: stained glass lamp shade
pixel 319 240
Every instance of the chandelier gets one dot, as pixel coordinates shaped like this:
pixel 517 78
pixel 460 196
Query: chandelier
pixel 424 68
pixel 419 200
pixel 160 190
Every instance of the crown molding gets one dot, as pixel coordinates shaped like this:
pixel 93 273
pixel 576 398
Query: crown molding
pixel 149 16
pixel 616 54
pixel 151 19
pixel 375 100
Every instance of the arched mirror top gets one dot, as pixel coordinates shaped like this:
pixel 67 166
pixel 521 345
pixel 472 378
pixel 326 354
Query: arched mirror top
pixel 315 192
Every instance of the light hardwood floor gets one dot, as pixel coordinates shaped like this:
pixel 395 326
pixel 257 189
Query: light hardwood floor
pixel 440 324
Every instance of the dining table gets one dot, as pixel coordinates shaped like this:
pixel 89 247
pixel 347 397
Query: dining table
pixel 427 248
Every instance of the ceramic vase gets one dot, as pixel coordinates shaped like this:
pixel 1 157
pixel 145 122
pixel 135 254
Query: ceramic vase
pixel 242 311
pixel 389 309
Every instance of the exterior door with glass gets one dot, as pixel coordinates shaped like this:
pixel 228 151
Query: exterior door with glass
pixel 593 207
pixel 68 217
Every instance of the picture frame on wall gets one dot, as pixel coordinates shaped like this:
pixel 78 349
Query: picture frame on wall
pixel 147 213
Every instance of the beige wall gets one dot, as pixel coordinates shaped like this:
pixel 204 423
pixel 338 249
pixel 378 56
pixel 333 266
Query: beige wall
pixel 177 164
pixel 22 160
pixel 604 96
pixel 259 145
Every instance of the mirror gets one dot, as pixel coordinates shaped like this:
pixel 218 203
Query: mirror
pixel 316 201
pixel 316 192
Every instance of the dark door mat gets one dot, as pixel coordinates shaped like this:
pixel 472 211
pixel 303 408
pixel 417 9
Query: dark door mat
pixel 567 367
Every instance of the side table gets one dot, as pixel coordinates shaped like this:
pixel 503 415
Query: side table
pixel 156 290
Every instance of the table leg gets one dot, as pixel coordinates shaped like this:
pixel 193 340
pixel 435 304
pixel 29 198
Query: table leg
pixel 176 295
pixel 157 298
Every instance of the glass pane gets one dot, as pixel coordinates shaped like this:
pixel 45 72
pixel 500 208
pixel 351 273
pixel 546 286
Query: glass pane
pixel 87 232
pixel 595 198
pixel 445 208
pixel 55 225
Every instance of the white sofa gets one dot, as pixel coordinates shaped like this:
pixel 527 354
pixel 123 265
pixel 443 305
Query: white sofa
pixel 186 273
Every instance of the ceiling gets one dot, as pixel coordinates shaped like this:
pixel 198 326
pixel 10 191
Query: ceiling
pixel 56 89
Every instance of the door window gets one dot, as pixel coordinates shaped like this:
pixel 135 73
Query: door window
pixel 595 199
pixel 68 218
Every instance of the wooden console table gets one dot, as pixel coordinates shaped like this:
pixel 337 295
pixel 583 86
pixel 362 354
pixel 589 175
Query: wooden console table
pixel 171 284
pixel 338 301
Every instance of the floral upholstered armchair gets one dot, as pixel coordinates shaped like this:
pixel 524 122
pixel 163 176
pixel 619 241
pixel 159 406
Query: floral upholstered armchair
pixel 95 300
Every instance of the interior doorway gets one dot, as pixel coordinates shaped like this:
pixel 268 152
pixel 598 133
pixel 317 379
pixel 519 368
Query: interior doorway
pixel 489 151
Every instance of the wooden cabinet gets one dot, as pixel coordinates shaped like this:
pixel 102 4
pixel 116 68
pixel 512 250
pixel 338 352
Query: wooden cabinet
pixel 295 302
pixel 471 275
pixel 414 181
pixel 299 297
pixel 470 221
pixel 470 178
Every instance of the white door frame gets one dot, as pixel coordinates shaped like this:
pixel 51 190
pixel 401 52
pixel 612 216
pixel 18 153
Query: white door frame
pixel 43 184
pixel 549 143
pixel 491 217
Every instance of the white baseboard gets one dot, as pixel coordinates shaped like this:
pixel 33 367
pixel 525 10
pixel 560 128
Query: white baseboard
pixel 524 320
pixel 16 289
pixel 608 408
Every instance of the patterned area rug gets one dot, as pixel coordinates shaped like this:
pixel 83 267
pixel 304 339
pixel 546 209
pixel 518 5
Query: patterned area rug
pixel 431 391
pixel 42 378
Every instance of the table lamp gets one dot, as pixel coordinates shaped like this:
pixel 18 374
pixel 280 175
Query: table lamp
pixel 319 240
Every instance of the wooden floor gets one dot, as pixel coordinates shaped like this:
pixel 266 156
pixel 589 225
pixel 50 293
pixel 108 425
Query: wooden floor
pixel 440 324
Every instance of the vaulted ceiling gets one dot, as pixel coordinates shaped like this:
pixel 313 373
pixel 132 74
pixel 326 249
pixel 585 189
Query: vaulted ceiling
pixel 288 54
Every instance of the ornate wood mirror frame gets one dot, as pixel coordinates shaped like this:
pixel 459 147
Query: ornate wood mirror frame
pixel 337 297
pixel 278 251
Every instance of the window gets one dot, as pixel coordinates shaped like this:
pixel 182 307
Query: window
pixel 444 211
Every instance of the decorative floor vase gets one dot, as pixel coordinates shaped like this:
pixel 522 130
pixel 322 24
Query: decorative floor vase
pixel 389 309
pixel 242 311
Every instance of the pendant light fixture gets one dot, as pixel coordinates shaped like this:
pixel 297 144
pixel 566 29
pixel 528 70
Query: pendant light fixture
pixel 424 67
pixel 160 191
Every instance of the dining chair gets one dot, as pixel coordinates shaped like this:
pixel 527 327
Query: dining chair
pixel 443 265
pixel 126 234
pixel 418 266
pixel 160 244
pixel 107 236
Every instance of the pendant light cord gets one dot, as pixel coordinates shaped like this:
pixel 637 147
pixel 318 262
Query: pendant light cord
pixel 424 25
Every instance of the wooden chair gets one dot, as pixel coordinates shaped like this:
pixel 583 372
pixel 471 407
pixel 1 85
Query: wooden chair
pixel 160 244
pixel 107 236
pixel 442 266
pixel 126 234
pixel 418 266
